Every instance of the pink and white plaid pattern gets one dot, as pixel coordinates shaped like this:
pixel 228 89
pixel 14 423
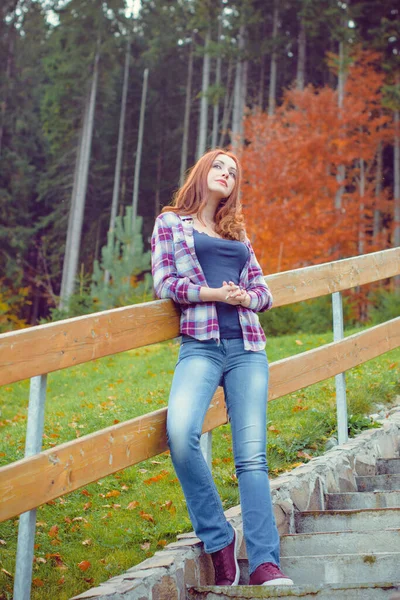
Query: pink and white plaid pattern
pixel 177 274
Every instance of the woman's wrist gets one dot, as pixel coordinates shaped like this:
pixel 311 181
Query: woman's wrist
pixel 210 294
pixel 246 301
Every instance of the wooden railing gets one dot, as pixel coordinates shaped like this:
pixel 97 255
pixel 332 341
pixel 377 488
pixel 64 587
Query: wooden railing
pixel 35 480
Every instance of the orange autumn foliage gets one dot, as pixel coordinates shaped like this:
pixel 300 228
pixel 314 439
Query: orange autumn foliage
pixel 290 193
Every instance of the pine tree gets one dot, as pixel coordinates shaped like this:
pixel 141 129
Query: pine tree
pixel 124 258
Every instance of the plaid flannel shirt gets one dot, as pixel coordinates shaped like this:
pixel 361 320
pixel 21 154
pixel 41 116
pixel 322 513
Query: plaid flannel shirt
pixel 177 274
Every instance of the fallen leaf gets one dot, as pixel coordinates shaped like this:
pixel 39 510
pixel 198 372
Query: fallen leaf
pixel 40 559
pixel 132 505
pixel 84 565
pixel 86 542
pixel 37 582
pixel 85 493
pixel 299 342
pixel 302 454
pixel 79 519
pixel 273 428
pixel 145 546
pixel 88 580
pixel 6 573
pixel 162 543
pixel 124 488
pixel 87 505
pixel 3 543
pixel 112 494
pixel 147 516
pixel 53 531
pixel 61 580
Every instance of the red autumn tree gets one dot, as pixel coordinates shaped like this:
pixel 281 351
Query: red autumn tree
pixel 290 167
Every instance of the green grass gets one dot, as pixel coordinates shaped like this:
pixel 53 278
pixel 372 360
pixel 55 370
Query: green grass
pixel 97 532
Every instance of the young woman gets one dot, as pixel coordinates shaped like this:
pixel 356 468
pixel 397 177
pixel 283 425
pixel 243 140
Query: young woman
pixel 203 261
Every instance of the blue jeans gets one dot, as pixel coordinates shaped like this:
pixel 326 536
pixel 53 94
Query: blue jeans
pixel 202 366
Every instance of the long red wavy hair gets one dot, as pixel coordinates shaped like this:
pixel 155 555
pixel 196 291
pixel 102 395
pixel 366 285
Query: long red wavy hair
pixel 191 198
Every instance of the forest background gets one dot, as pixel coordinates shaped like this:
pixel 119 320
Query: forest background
pixel 104 105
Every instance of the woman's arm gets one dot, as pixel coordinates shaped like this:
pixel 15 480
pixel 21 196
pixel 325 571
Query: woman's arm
pixel 167 282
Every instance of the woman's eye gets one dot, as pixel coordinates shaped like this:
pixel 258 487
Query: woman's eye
pixel 217 166
pixel 233 175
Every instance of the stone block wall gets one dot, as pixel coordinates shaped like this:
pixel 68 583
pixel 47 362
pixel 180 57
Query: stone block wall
pixel 183 562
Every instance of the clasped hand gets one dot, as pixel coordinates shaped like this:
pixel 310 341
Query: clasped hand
pixel 234 294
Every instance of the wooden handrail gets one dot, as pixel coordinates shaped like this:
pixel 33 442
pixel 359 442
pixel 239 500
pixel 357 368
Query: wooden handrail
pixel 30 482
pixel 46 348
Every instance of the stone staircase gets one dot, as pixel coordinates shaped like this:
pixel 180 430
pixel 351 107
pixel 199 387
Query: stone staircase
pixel 350 550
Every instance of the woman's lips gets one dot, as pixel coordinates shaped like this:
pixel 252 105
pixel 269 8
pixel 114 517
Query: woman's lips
pixel 222 181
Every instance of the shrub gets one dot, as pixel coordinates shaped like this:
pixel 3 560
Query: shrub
pixel 310 316
pixel 385 305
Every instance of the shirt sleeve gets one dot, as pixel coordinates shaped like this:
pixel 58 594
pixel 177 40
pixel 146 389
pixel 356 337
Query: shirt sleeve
pixel 167 282
pixel 260 294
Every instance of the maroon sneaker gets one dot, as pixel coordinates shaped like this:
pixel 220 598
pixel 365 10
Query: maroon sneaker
pixel 269 574
pixel 225 563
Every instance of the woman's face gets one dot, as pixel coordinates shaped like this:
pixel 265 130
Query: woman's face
pixel 221 178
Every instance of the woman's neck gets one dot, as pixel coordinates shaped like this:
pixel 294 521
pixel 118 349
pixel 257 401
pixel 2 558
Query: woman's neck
pixel 208 212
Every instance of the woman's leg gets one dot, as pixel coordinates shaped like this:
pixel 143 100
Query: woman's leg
pixel 197 376
pixel 246 393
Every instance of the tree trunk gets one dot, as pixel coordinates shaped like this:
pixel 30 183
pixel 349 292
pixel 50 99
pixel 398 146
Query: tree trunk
pixel 157 203
pixel 203 124
pixel 217 84
pixel 237 117
pixel 378 191
pixel 361 232
pixel 273 68
pixel 301 57
pixel 3 105
pixel 396 194
pixel 341 170
pixel 261 84
pixel 79 192
pixel 186 118
pixel 139 149
pixel 117 175
pixel 227 104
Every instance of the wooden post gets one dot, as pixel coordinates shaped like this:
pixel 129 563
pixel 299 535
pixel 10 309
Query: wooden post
pixel 27 521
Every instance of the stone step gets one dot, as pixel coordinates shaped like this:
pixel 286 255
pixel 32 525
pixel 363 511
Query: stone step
pixel 378 483
pixel 390 466
pixel 340 542
pixel 355 500
pixel 371 567
pixel 344 568
pixel 365 591
pixel 314 521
